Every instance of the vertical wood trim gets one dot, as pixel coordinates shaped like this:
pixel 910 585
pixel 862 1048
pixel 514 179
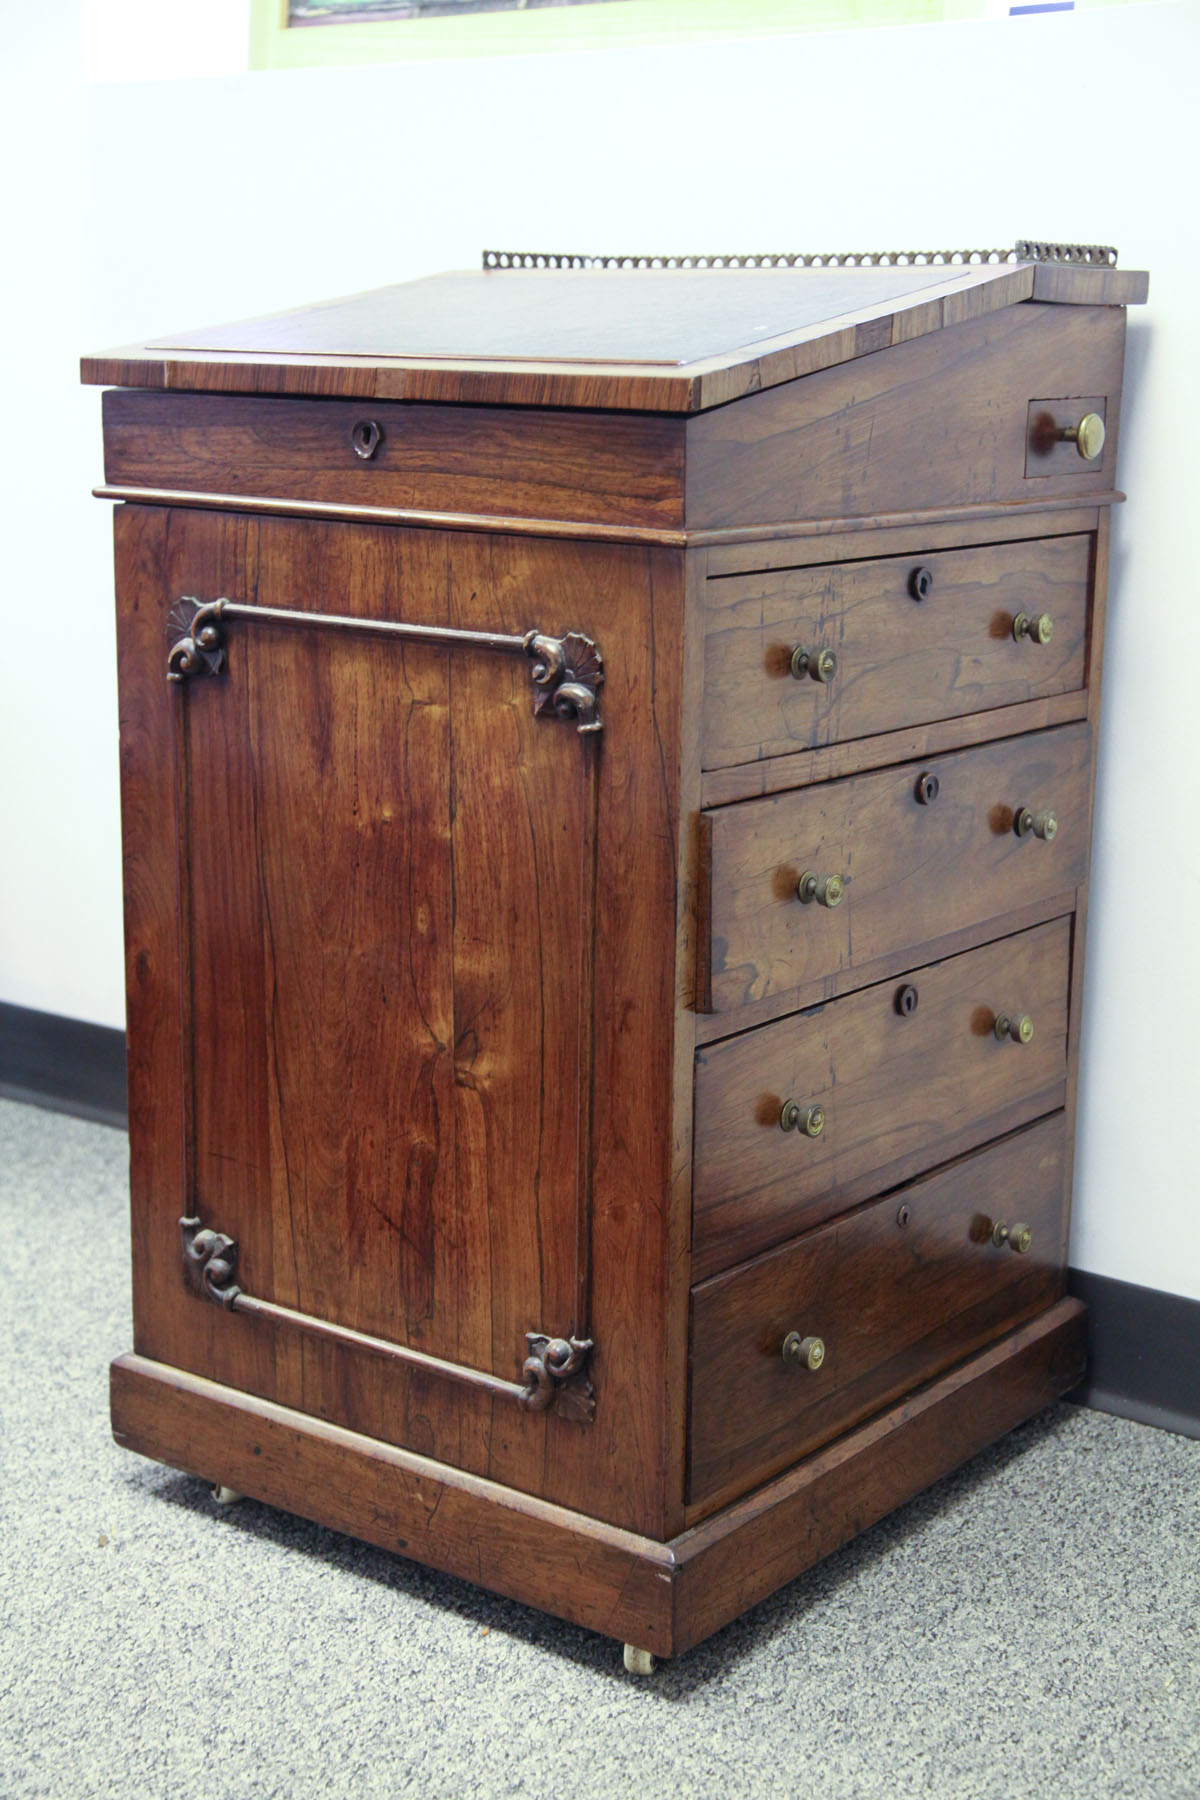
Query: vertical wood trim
pixel 691 900
pixel 590 747
pixel 1095 655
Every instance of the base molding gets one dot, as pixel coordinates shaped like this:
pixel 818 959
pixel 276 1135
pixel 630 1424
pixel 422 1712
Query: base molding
pixel 1143 1353
pixel 67 1065
pixel 664 1598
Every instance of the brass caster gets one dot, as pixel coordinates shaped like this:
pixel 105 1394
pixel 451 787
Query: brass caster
pixel 226 1496
pixel 638 1662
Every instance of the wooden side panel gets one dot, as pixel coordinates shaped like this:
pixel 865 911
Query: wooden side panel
pixel 522 462
pixel 899 1093
pixel 913 872
pixel 896 1291
pixel 388 928
pixel 936 422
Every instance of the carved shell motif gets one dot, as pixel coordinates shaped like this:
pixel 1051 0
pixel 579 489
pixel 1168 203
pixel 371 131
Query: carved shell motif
pixel 195 645
pixel 567 672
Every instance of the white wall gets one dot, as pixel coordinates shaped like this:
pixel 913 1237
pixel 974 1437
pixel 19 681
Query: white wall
pixel 155 204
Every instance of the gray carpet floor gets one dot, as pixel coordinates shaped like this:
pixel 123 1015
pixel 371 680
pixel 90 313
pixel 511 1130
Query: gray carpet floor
pixel 1029 1628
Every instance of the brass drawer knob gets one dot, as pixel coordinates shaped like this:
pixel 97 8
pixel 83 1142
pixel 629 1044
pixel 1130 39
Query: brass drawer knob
pixel 1017 1237
pixel 820 664
pixel 803 1352
pixel 809 1121
pixel 1087 436
pixel 1027 823
pixel 826 890
pixel 1035 629
pixel 1020 1030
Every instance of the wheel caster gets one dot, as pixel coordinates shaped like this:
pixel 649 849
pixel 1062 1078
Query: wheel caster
pixel 226 1496
pixel 639 1662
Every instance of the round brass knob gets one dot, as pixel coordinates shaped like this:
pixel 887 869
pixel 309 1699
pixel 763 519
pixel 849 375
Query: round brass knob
pixel 820 664
pixel 809 1121
pixel 1017 1237
pixel 1038 629
pixel 920 584
pixel 1020 1030
pixel 803 1352
pixel 826 890
pixel 1087 436
pixel 1027 823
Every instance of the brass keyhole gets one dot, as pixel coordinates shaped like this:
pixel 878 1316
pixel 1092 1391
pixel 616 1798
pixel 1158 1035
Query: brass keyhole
pixel 366 437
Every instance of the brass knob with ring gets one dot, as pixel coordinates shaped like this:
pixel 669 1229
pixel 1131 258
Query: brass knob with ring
pixel 809 1121
pixel 920 583
pixel 1017 1027
pixel 1016 1237
pixel 928 789
pixel 826 890
pixel 366 436
pixel 1036 628
pixel 1027 823
pixel 1087 436
pixel 803 1352
pixel 820 664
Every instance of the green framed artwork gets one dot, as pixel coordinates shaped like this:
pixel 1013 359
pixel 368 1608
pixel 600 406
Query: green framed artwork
pixel 311 33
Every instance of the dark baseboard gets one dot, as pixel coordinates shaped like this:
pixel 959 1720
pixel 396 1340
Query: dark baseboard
pixel 1143 1353
pixel 1144 1346
pixel 66 1065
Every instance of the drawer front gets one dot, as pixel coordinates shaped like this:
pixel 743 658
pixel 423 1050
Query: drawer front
pixel 527 462
pixel 906 1073
pixel 913 639
pixel 896 1292
pixel 913 870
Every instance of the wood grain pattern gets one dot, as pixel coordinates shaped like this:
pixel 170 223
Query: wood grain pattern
pixel 900 661
pixel 842 442
pixel 894 1303
pixel 900 1094
pixel 912 872
pixel 527 463
pixel 600 1577
pixel 366 1052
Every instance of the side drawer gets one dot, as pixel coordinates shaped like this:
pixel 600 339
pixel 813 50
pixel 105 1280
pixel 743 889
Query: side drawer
pixel 912 870
pixel 905 1073
pixel 800 658
pixel 896 1292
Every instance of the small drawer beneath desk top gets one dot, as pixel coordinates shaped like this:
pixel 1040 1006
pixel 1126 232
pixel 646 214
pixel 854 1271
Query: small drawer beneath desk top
pixel 901 1075
pixel 800 658
pixel 880 1300
pixel 897 858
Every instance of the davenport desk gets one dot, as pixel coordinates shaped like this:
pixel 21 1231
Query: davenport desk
pixel 607 759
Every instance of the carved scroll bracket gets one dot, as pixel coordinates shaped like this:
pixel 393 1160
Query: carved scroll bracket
pixel 566 672
pixel 209 1262
pixel 555 1374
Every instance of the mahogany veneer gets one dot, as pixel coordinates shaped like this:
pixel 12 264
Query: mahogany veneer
pixel 471 774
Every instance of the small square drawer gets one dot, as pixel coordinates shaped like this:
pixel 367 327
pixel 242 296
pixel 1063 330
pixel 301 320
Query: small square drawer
pixel 801 1118
pixel 838 876
pixel 799 658
pixel 794 1348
